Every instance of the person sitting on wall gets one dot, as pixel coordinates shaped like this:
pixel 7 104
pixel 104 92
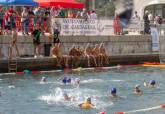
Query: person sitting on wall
pixel 55 52
pixel 88 54
pixel 103 54
pixel 74 54
pixel 95 52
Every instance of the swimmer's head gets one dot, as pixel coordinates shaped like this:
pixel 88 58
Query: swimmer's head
pixel 113 91
pixel 77 80
pixel 137 86
pixel 69 80
pixel 44 79
pixel 64 80
pixel 65 95
pixel 88 100
pixel 152 82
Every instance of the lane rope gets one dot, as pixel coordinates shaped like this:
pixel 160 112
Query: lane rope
pixel 142 110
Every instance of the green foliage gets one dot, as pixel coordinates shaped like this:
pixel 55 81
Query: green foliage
pixel 107 10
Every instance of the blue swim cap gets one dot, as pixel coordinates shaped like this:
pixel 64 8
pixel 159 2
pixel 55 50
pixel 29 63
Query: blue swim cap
pixel 113 90
pixel 64 80
pixel 152 82
pixel 69 80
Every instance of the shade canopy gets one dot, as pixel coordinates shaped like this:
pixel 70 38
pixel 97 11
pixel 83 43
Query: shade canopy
pixel 62 3
pixel 18 2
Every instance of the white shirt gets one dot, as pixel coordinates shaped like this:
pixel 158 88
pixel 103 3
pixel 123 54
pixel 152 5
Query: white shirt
pixel 93 16
pixel 150 17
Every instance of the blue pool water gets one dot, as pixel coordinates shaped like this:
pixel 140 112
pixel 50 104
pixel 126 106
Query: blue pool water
pixel 26 95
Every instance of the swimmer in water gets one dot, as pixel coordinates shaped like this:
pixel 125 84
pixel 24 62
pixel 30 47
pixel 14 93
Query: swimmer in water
pixel 66 97
pixel 114 93
pixel 66 80
pixel 137 90
pixel 44 79
pixel 77 81
pixel 150 84
pixel 87 104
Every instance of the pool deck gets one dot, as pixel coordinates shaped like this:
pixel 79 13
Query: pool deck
pixel 48 63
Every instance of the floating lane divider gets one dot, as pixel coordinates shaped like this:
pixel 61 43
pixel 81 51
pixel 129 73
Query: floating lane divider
pixel 28 72
pixel 154 65
pixel 142 110
pixel 56 71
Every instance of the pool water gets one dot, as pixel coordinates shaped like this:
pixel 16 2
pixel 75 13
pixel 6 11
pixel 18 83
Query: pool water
pixel 24 94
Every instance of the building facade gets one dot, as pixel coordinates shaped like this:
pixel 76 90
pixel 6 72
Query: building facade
pixel 157 7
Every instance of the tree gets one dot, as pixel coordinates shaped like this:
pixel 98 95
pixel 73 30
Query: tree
pixel 107 10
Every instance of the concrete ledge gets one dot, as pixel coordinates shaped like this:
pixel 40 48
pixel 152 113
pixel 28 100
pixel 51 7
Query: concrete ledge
pixel 82 39
pixel 51 63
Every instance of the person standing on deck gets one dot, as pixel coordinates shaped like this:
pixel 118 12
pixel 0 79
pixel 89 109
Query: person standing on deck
pixel 36 41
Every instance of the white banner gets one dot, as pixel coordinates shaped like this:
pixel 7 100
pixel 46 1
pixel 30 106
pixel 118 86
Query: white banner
pixel 136 24
pixel 155 39
pixel 82 27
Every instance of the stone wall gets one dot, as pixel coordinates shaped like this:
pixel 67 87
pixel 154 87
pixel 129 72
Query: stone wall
pixel 114 44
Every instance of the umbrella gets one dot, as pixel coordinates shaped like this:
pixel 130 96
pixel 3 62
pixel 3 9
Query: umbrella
pixel 62 3
pixel 18 2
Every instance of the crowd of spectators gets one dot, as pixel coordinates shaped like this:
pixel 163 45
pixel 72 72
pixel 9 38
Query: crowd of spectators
pixel 25 19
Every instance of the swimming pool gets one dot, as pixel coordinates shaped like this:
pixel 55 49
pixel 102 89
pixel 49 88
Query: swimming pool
pixel 24 94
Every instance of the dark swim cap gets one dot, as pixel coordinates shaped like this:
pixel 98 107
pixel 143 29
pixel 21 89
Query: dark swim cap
pixel 64 80
pixel 69 80
pixel 113 90
pixel 152 82
pixel 89 99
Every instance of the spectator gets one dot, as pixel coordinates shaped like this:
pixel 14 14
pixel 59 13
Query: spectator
pixel 61 12
pixel 136 16
pixel 146 23
pixel 136 20
pixel 156 20
pixel 84 14
pixel 78 15
pixel 56 31
pixel 54 12
pixel 116 25
pixel 93 15
pixel 1 16
pixel 25 21
pixel 159 20
pixel 150 17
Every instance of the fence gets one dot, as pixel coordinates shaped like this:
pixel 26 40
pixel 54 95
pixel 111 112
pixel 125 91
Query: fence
pixel 70 26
